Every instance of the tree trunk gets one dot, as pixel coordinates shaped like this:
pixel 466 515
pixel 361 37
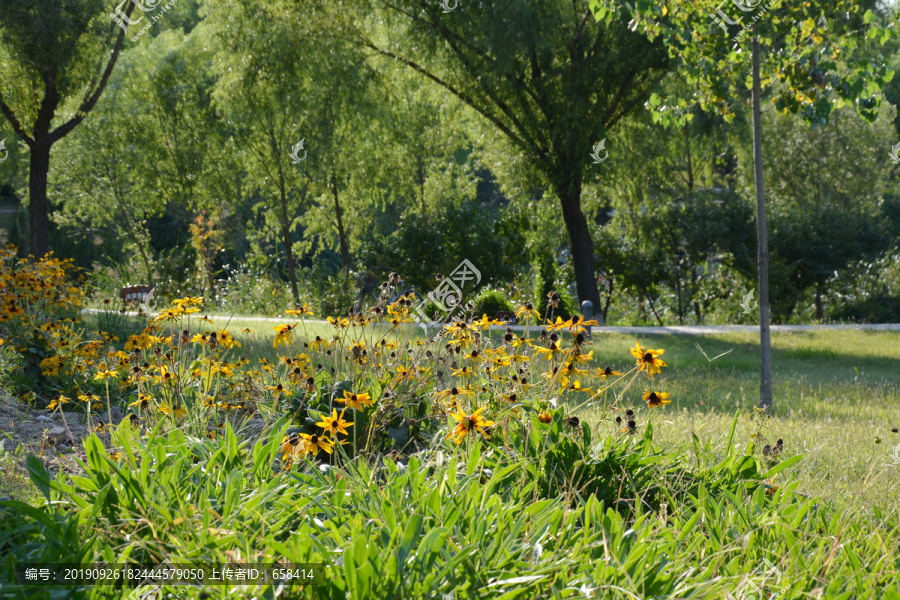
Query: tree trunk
pixel 582 244
pixel 819 312
pixel 38 213
pixel 608 299
pixel 765 341
pixel 288 244
pixel 342 233
pixel 694 292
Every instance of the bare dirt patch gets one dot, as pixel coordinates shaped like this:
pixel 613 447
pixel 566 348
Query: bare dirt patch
pixel 54 440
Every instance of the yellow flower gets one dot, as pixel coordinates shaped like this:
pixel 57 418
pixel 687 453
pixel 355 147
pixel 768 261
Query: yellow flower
pixel 303 310
pixel 339 322
pixel 318 343
pixel 575 386
pixel 654 399
pixel 560 324
pixel 143 401
pixel 188 301
pixel 467 423
pixel 283 337
pixel 227 340
pixel 453 393
pixel 357 401
pixel 549 352
pixel 607 372
pixel 527 310
pixel 545 417
pixel 58 401
pixel 105 374
pixel 334 424
pixel 315 443
pixel 293 447
pixel 647 359
pixel 277 390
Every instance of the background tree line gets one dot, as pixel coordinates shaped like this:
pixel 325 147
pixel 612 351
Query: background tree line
pixel 430 137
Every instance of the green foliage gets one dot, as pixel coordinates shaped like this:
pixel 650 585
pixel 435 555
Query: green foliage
pixel 422 247
pixel 491 301
pixel 381 530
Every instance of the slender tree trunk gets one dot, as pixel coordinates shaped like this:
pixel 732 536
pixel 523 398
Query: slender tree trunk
pixel 678 292
pixel 285 220
pixel 582 244
pixel 288 243
pixel 38 212
pixel 819 312
pixel 342 233
pixel 697 312
pixel 765 341
pixel 608 299
pixel 653 308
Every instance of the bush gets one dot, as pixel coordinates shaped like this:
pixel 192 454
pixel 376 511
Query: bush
pixel 490 301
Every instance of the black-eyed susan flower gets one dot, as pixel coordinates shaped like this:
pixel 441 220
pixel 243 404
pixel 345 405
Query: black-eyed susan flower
pixel 647 359
pixel 103 374
pixel 314 443
pixel 355 401
pixel 468 423
pixel 318 344
pixel 293 448
pixel 300 311
pixel 58 401
pixel 278 390
pixel 283 334
pixel 607 372
pixel 143 402
pixel 545 417
pixel 574 386
pixel 453 393
pixel 334 424
pixel 89 397
pixel 527 310
pixel 549 352
pixel 654 399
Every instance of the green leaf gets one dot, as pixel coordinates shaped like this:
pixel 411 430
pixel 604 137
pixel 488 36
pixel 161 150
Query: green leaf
pixel 783 465
pixel 868 17
pixel 38 474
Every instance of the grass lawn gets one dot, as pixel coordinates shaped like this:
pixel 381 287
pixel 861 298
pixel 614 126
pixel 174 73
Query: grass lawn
pixel 836 395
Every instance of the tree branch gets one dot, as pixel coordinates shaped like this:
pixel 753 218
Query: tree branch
pixel 91 99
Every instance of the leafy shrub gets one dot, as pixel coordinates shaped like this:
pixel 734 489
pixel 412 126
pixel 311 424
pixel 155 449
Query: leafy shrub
pixel 490 301
pixel 422 247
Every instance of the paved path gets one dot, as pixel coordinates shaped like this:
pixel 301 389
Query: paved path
pixel 671 330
